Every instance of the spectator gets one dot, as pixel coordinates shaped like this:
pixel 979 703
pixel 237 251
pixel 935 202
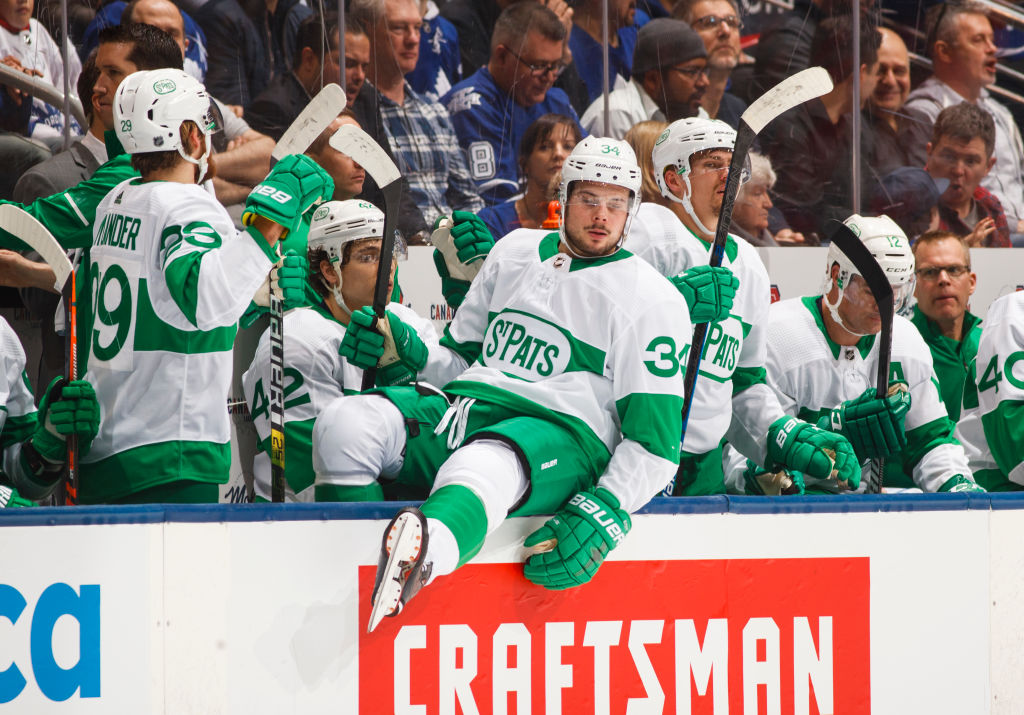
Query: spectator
pixel 963 139
pixel 963 58
pixel 545 145
pixel 112 13
pixel 718 23
pixel 945 284
pixel 492 109
pixel 243 154
pixel 753 206
pixel 809 145
pixel 884 109
pixel 281 21
pixel 439 67
pixel 669 79
pixel 910 197
pixel 288 93
pixel 585 41
pixel 642 137
pixel 238 69
pixel 357 58
pixel 420 132
pixel 25 45
pixel 348 176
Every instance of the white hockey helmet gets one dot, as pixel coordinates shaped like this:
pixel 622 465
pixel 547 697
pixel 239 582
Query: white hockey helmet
pixel 606 161
pixel 336 223
pixel 889 245
pixel 679 143
pixel 150 106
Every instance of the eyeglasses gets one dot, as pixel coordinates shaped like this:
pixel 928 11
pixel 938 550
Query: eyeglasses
pixel 539 69
pixel 691 72
pixel 615 204
pixel 710 22
pixel 932 274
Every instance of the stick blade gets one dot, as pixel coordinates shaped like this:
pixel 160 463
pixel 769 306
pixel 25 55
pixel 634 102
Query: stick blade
pixel 323 109
pixel 22 224
pixel 797 89
pixel 353 142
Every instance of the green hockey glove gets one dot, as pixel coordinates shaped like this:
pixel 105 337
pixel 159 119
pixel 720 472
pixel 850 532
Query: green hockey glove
pixel 760 483
pixel 453 289
pixel 709 292
pixel 291 279
pixel 293 187
pixel 795 445
pixel 571 545
pixel 471 237
pixel 875 427
pixel 66 408
pixel 960 483
pixel 9 497
pixel 371 343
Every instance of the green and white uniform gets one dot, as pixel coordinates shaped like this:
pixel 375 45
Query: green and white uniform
pixel 812 375
pixel 588 350
pixel 991 426
pixel 315 375
pixel 170 276
pixel 951 358
pixel 17 414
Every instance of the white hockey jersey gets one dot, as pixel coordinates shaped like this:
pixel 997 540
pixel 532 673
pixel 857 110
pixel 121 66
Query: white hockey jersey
pixel 991 425
pixel 17 408
pixel 812 375
pixel 36 50
pixel 592 345
pixel 315 375
pixel 732 366
pixel 170 276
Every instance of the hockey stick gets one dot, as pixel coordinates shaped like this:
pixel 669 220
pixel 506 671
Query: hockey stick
pixel 790 92
pixel 357 144
pixel 22 224
pixel 850 244
pixel 41 89
pixel 311 123
pixel 323 109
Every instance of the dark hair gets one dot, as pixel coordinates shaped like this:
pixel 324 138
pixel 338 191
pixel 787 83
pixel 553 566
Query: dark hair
pixel 521 18
pixel 152 48
pixel 86 81
pixel 539 131
pixel 965 121
pixel 148 162
pixel 311 34
pixel 832 46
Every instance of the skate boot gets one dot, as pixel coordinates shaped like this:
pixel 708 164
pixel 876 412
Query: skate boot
pixel 400 570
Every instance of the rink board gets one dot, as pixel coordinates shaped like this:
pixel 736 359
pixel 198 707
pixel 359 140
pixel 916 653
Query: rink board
pixel 889 604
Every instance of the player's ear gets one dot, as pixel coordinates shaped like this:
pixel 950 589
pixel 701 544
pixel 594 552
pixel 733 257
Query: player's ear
pixel 327 272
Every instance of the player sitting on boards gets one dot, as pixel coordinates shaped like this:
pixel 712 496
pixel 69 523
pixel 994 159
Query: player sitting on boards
pixel 557 412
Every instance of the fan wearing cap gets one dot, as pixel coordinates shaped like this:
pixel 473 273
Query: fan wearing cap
pixel 171 278
pixel 668 80
pixel 823 359
pixel 556 412
pixel 344 249
pixel 910 197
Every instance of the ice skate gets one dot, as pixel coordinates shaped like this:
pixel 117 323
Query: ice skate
pixel 400 571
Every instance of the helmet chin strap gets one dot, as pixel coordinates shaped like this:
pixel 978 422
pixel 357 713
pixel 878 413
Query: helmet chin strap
pixel 203 162
pixel 336 293
pixel 833 309
pixel 688 206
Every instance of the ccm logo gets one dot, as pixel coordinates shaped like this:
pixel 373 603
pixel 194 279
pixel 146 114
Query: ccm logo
pixel 55 681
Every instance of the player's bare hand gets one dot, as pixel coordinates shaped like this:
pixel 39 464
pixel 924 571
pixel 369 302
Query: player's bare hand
pixel 982 230
pixel 237 109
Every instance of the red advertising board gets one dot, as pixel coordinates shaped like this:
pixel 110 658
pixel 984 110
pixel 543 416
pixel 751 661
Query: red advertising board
pixel 707 636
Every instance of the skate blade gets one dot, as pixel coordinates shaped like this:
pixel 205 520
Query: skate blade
pixel 404 542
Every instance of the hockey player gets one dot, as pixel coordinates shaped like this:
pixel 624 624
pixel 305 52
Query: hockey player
pixel 33 444
pixel 823 358
pixel 731 398
pixel 344 249
pixel 172 276
pixel 557 411
pixel 991 427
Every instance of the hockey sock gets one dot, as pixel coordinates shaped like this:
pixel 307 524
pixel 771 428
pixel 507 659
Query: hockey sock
pixel 461 510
